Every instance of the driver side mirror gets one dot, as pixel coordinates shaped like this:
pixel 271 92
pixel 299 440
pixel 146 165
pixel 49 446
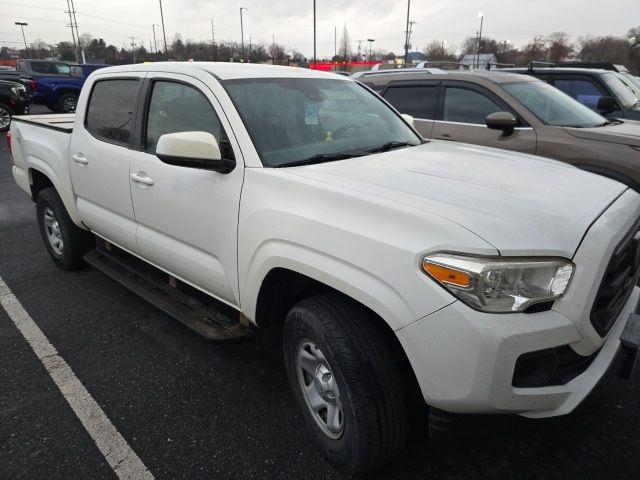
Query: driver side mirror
pixel 409 119
pixel 193 149
pixel 607 105
pixel 505 121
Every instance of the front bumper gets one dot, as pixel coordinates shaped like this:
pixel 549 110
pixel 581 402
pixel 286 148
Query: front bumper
pixel 464 360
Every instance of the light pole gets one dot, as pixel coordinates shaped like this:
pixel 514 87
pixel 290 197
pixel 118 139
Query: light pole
pixel 314 33
pixel 155 43
pixel 370 40
pixel 242 30
pixel 481 17
pixel 22 25
pixel 164 33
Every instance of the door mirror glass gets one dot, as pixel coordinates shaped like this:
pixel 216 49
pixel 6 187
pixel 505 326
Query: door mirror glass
pixel 607 105
pixel 504 121
pixel 193 149
pixel 409 119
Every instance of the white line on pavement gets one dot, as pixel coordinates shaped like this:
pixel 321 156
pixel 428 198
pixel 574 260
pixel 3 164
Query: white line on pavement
pixel 122 459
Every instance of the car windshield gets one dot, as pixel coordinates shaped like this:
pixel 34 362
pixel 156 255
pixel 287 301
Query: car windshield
pixel 293 120
pixel 620 89
pixel 553 107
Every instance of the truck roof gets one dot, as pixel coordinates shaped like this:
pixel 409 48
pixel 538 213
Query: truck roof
pixel 223 70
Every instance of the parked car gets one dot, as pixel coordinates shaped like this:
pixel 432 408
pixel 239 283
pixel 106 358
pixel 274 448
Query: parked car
pixel 483 280
pixel 55 84
pixel 621 69
pixel 13 101
pixel 522 113
pixel 600 90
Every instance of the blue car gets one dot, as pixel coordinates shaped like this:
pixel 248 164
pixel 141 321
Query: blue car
pixel 55 84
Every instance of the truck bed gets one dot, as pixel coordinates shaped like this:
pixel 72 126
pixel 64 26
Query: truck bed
pixel 63 122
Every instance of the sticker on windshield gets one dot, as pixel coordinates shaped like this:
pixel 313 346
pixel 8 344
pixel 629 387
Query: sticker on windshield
pixel 311 114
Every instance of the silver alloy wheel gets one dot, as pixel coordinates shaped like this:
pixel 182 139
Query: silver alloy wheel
pixel 5 118
pixel 319 388
pixel 69 104
pixel 54 235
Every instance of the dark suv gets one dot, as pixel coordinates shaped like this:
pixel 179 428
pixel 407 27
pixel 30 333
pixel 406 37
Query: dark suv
pixel 13 101
pixel 601 90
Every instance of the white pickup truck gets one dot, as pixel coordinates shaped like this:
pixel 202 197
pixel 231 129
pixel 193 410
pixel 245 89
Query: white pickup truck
pixel 235 196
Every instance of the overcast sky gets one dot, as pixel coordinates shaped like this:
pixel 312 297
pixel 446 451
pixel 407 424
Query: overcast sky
pixel 291 21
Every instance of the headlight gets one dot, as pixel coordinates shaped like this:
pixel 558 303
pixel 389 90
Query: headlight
pixel 20 91
pixel 499 284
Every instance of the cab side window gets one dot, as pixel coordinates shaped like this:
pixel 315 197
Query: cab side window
pixel 417 101
pixel 176 107
pixel 467 106
pixel 110 111
pixel 580 89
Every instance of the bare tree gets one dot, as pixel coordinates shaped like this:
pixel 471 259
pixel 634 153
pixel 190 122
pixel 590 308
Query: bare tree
pixel 344 47
pixel 604 49
pixel 559 46
pixel 439 50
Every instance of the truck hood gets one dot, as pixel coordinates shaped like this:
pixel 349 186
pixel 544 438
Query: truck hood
pixel 627 133
pixel 520 204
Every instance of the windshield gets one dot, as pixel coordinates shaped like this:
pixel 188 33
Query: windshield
pixel 620 90
pixel 291 120
pixel 553 107
pixel 632 82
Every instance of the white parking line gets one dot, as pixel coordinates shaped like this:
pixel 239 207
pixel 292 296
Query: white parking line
pixel 122 459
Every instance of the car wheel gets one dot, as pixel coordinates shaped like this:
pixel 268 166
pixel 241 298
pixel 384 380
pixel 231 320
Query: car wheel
pixel 68 102
pixel 65 241
pixel 346 382
pixel 5 118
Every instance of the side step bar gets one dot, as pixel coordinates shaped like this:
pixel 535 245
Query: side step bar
pixel 217 324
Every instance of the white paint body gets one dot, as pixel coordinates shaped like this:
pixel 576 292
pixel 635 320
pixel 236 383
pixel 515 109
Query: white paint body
pixel 360 226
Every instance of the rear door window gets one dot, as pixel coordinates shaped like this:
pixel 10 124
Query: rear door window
pixel 462 105
pixel 418 101
pixel 110 111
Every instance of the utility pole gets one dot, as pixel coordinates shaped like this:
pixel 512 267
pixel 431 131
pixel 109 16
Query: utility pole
pixel 370 40
pixel 335 41
pixel 314 33
pixel 242 31
pixel 213 41
pixel 481 16
pixel 73 33
pixel 133 48
pixel 406 38
pixel 22 25
pixel 155 43
pixel 75 21
pixel 164 33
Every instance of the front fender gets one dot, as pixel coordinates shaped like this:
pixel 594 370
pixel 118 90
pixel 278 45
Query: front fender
pixel 361 285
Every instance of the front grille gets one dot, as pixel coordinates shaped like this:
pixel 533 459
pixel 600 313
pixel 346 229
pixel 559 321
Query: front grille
pixel 619 279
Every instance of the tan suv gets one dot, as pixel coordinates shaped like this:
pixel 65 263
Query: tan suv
pixel 514 112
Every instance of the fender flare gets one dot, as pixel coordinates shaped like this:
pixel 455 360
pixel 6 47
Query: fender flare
pixel 68 199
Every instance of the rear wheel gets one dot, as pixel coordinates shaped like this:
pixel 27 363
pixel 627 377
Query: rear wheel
pixel 65 242
pixel 346 382
pixel 5 117
pixel 67 102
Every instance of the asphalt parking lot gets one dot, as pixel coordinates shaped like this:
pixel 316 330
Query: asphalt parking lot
pixel 192 409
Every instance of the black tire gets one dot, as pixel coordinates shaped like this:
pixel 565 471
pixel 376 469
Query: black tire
pixel 67 103
pixel 373 397
pixel 4 111
pixel 75 241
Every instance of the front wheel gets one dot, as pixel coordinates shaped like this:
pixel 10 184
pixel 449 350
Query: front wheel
pixel 65 241
pixel 345 381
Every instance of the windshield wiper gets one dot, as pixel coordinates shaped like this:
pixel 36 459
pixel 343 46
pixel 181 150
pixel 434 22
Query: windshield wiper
pixel 608 122
pixel 385 147
pixel 320 158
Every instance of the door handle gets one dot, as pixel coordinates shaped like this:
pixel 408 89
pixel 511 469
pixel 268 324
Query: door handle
pixel 445 136
pixel 80 159
pixel 141 179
